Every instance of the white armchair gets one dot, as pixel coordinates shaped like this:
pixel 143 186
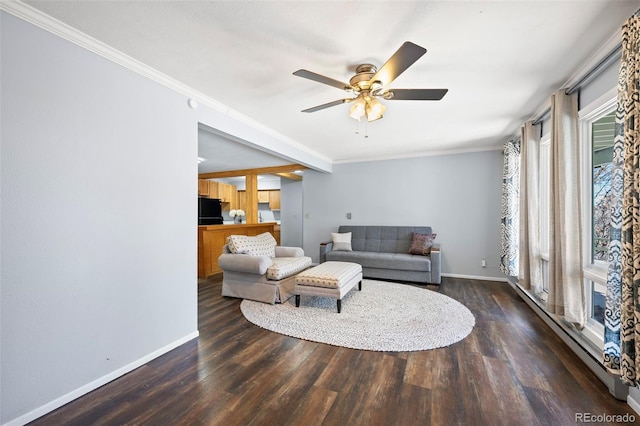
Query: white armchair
pixel 262 278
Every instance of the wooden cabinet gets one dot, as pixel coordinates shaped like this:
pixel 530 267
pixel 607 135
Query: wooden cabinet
pixel 212 238
pixel 263 196
pixel 203 188
pixel 233 199
pixel 274 200
pixel 242 200
pixel 225 192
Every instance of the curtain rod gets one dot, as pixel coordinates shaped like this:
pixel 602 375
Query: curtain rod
pixel 594 72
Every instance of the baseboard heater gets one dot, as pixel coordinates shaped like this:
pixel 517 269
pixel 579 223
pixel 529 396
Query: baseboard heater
pixel 616 387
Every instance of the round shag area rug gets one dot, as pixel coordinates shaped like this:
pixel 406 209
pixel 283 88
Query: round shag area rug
pixel 383 316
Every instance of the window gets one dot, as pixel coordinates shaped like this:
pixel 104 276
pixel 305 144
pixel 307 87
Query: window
pixel 544 190
pixel 597 127
pixel 602 132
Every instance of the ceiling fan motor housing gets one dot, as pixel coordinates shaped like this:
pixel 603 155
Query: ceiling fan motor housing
pixel 362 79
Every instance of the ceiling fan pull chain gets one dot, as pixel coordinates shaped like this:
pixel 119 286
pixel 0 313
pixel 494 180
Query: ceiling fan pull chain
pixel 366 129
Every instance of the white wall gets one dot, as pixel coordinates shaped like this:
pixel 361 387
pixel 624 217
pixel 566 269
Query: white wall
pixel 457 195
pixel 98 228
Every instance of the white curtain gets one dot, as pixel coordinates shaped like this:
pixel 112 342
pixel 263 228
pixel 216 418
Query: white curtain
pixel 566 295
pixel 530 271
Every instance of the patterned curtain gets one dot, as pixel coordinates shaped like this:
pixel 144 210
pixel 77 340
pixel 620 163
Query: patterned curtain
pixel 622 313
pixel 509 217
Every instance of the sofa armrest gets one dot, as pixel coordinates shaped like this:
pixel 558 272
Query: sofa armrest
pixel 325 247
pixel 282 251
pixel 245 263
pixel 436 260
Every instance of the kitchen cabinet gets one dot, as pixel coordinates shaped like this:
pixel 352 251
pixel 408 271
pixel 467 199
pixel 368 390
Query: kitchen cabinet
pixel 263 196
pixel 203 188
pixel 225 192
pixel 274 200
pixel 242 200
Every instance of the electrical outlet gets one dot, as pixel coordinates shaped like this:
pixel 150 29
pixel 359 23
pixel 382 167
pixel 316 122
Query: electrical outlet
pixel 483 263
pixel 348 215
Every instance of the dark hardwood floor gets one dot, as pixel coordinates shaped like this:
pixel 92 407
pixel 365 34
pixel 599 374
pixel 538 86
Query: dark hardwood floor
pixel 511 370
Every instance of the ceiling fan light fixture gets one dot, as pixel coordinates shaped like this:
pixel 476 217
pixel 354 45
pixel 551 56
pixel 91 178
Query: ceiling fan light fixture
pixel 358 108
pixel 374 110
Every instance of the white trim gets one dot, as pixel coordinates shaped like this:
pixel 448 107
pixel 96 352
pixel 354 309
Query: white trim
pixel 77 393
pixel 593 272
pixel 633 403
pixel 420 154
pixel 596 274
pixel 476 277
pixel 40 19
pixel 598 107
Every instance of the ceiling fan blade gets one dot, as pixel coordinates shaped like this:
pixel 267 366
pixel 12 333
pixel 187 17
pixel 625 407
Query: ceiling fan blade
pixel 399 62
pixel 322 79
pixel 327 105
pixel 417 94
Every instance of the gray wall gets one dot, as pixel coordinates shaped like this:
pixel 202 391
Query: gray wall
pixel 98 231
pixel 457 195
pixel 291 213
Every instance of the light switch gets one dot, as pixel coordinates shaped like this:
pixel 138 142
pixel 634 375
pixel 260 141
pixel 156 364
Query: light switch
pixel 348 215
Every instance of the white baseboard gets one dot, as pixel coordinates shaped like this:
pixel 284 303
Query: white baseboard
pixel 632 401
pixel 59 402
pixel 476 277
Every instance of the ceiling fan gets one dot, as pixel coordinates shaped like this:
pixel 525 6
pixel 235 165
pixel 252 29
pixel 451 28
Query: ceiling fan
pixel 369 84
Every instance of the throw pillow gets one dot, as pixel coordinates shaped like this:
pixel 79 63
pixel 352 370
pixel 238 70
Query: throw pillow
pixel 341 242
pixel 421 244
pixel 260 245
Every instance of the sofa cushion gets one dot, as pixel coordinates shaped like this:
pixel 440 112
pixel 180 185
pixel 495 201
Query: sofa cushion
pixel 397 261
pixel 341 242
pixel 259 245
pixel 421 244
pixel 283 267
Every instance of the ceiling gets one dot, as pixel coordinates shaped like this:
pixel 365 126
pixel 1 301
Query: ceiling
pixel 500 60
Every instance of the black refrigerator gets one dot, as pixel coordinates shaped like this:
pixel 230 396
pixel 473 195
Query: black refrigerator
pixel 209 211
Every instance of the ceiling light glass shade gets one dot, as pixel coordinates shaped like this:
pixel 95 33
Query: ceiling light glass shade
pixel 374 110
pixel 357 109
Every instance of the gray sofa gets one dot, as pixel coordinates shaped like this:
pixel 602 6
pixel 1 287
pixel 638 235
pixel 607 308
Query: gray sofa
pixel 383 252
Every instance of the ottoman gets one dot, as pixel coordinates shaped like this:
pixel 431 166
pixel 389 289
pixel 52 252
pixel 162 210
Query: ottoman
pixel 329 279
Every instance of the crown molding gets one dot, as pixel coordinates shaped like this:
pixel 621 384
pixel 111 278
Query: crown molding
pixel 48 23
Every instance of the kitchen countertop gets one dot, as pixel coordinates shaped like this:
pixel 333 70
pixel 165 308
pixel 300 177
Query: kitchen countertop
pixel 231 224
